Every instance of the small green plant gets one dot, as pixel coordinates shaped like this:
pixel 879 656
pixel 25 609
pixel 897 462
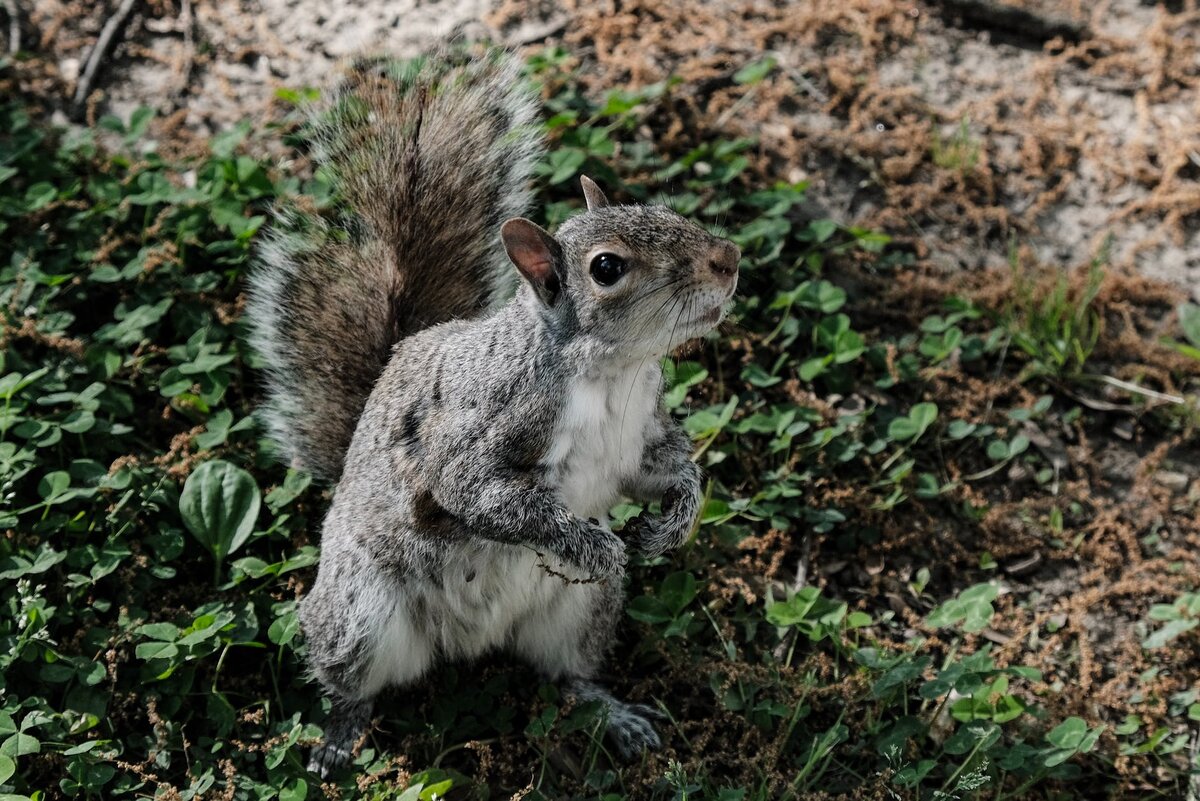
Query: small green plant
pixel 666 608
pixel 1179 618
pixel 1055 327
pixel 972 609
pixel 815 617
pixel 910 427
pixel 960 152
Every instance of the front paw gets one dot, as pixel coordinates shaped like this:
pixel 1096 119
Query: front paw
pixel 599 553
pixel 654 536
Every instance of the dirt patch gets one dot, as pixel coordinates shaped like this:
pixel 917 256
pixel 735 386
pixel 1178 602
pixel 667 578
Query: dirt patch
pixel 959 129
pixel 952 136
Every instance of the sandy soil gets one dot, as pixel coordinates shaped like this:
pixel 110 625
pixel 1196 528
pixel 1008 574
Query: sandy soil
pixel 959 132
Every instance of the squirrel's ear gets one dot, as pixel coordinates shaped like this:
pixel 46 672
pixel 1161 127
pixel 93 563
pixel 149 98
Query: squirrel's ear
pixel 535 253
pixel 592 194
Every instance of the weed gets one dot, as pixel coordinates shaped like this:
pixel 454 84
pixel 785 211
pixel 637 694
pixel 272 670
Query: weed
pixel 960 153
pixel 1053 322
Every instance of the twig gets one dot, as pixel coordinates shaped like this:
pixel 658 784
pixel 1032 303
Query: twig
pixel 801 80
pixel 1134 388
pixel 109 32
pixel 563 577
pixel 14 26
pixel 801 568
pixel 736 108
pixel 528 33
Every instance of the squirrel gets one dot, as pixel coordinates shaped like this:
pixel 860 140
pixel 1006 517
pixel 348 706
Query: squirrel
pixel 478 437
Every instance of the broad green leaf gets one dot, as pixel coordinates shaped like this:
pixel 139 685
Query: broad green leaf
pixel 1068 734
pixel 219 505
pixel 298 791
pixel 19 745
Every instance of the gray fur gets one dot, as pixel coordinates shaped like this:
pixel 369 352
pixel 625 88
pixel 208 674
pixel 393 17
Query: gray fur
pixel 471 512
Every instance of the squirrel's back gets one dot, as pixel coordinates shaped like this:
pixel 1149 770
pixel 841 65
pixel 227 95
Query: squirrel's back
pixel 426 159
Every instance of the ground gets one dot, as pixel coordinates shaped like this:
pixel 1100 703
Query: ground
pixel 1072 133
pixel 979 216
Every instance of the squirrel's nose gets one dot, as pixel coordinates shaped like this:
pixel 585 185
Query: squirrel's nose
pixel 723 258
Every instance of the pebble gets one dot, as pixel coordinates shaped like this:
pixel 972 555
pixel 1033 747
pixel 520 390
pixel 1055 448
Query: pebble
pixel 1175 481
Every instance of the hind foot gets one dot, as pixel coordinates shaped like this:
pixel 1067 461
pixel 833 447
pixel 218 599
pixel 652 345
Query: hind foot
pixel 629 725
pixel 347 722
pixel 630 728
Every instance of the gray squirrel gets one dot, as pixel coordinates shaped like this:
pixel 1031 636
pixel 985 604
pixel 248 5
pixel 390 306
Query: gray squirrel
pixel 478 442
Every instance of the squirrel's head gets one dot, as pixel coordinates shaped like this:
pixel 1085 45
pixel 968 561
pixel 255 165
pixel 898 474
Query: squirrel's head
pixel 640 279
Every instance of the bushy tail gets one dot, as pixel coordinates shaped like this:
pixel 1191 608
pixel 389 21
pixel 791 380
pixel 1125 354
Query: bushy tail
pixel 426 159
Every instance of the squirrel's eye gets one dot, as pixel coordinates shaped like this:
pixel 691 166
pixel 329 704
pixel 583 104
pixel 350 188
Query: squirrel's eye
pixel 607 269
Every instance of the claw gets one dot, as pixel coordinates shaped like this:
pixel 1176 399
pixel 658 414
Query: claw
pixel 647 711
pixel 326 758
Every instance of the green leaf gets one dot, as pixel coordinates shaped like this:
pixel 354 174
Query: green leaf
pixel 7 768
pixel 822 230
pixel 166 632
pixel 297 791
pixel 981 734
pixel 1068 734
pixel 911 427
pixel 19 745
pixel 565 163
pixel 156 650
pixel 678 590
pixel 680 378
pixel 284 628
pixel 754 71
pixel 54 484
pixel 972 608
pixel 219 505
pixel 294 483
pixel 17 566
pixel 1169 632
pixel 812 368
pixel 959 429
pixel 649 610
pixel 997 450
pixel 1189 321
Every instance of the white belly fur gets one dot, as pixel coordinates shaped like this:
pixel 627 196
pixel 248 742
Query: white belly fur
pixel 600 436
pixel 597 442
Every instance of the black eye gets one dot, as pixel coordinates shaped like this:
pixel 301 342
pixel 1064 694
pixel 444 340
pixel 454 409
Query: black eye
pixel 607 269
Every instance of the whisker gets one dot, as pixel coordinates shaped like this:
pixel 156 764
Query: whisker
pixel 636 375
pixel 650 319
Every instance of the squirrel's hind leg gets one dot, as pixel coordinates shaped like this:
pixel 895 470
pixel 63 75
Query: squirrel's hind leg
pixel 362 637
pixel 567 641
